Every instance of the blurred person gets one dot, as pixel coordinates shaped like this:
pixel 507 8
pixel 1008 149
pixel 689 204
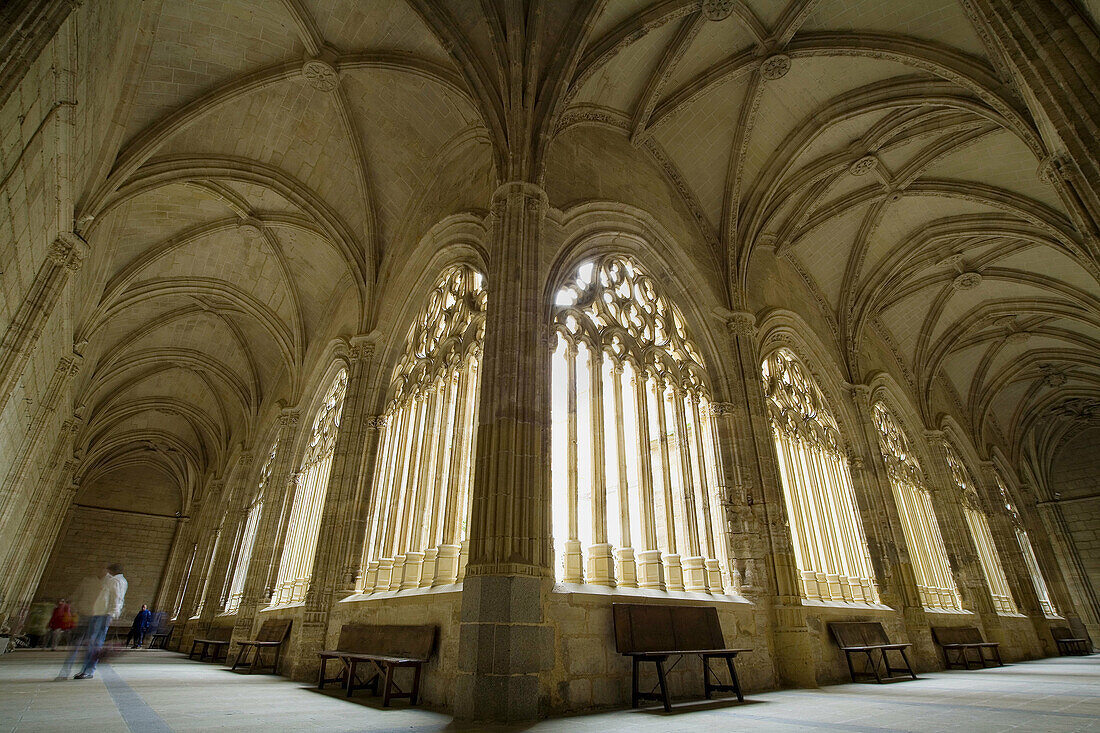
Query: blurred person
pixel 107 606
pixel 61 621
pixel 140 627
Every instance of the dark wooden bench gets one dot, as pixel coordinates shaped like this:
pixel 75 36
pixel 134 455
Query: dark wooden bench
pixel 160 638
pixel 1069 642
pixel 216 644
pixel 382 649
pixel 273 633
pixel 650 633
pixel 868 639
pixel 957 643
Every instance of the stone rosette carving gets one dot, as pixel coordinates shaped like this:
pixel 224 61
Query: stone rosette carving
pixel 1053 375
pixel 1018 337
pixel 1083 409
pixel 717 9
pixel 68 250
pixel 376 422
pixel 863 166
pixel 250 228
pixel 741 324
pixel 775 66
pixel 967 280
pixel 320 74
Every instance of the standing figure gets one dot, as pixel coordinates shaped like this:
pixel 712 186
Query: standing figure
pixel 60 622
pixel 107 606
pixel 140 627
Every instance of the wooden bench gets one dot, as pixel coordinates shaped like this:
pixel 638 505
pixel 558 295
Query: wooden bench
pixel 216 644
pixel 1069 642
pixel 957 643
pixel 650 633
pixel 273 632
pixel 868 638
pixel 384 649
pixel 160 638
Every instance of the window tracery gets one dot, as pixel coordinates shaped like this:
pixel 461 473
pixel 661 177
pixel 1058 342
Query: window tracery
pixel 633 458
pixel 979 531
pixel 830 547
pixel 300 545
pixel 935 583
pixel 417 531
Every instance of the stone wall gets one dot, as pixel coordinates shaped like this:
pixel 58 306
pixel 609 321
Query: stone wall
pixel 1075 479
pixel 93 538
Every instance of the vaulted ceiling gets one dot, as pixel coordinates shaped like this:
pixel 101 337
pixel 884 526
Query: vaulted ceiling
pixel 269 165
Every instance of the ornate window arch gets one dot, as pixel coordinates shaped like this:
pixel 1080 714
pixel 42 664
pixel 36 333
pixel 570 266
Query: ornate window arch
pixel 311 486
pixel 979 530
pixel 830 548
pixel 1041 590
pixel 421 497
pixel 935 582
pixel 633 457
pixel 246 536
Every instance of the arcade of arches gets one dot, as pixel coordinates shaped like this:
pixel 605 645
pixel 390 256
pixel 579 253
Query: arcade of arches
pixel 490 314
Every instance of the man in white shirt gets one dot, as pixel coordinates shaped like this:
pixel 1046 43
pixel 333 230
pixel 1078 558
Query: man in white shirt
pixel 107 606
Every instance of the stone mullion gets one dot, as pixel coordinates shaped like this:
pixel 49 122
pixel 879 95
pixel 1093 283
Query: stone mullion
pixel 414 557
pixel 574 558
pixel 206 533
pixel 674 572
pixel 64 258
pixel 1007 545
pixel 626 569
pixel 392 495
pixel 694 571
pixel 239 493
pixel 955 530
pixel 710 562
pixel 801 517
pixel 601 564
pixel 504 637
pixel 466 486
pixel 791 640
pixel 266 548
pixel 404 496
pixel 380 477
pixel 443 443
pixel 448 552
pixel 650 567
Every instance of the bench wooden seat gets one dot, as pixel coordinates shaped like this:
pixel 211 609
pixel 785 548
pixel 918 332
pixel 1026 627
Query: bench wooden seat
pixel 1069 642
pixel 160 638
pixel 273 632
pixel 216 644
pixel 866 638
pixel 958 642
pixel 381 649
pixel 651 633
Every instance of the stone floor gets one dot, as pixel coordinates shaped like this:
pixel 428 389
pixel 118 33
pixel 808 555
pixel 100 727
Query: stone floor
pixel 160 691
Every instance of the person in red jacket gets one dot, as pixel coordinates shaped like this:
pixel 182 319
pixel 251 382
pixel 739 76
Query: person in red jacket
pixel 61 622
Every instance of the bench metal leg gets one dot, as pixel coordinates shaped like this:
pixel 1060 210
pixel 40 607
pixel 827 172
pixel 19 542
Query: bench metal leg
pixel 664 684
pixel 851 669
pixel 733 677
pixel 874 665
pixel 634 683
pixel 908 666
pixel 388 686
pixel 240 651
pixel 416 684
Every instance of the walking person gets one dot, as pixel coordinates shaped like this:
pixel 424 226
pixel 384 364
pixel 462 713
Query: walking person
pixel 60 622
pixel 107 606
pixel 140 627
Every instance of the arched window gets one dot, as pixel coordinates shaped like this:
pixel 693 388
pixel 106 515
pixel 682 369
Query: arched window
pixel 633 459
pixel 421 491
pixel 296 565
pixel 918 519
pixel 247 536
pixel 979 531
pixel 830 548
pixel 1028 552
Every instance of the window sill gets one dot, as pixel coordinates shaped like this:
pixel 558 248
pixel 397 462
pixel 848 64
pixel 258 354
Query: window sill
pixel 604 591
pixel 226 614
pixel 284 607
pixel 846 605
pixel 948 611
pixel 1002 614
pixel 1054 617
pixel 407 593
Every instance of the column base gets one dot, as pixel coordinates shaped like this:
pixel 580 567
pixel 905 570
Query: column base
pixel 695 577
pixel 573 561
pixel 397 574
pixel 714 577
pixel 601 565
pixel 427 574
pixel 674 573
pixel 446 565
pixel 414 561
pixel 371 576
pixel 385 573
pixel 651 572
pixel 626 570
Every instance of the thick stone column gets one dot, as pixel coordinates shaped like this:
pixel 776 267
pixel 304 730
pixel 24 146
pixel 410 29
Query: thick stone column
pixel 338 559
pixel 774 572
pixel 169 579
pixel 64 258
pixel 206 534
pixel 267 547
pixel 504 641
pixel 882 523
pixel 1050 48
pixel 961 551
